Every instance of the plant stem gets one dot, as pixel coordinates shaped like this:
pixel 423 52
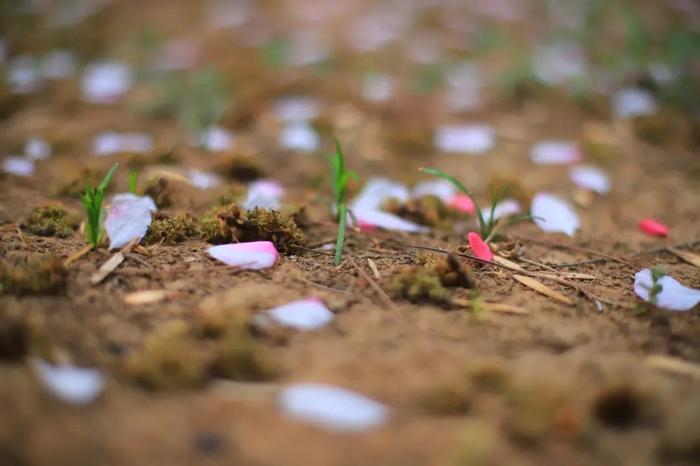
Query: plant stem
pixel 342 221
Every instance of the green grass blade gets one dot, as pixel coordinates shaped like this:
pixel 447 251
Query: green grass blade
pixel 107 178
pixel 340 241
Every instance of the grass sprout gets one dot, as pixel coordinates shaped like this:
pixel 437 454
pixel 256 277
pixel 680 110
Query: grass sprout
pixel 488 224
pixel 133 181
pixel 92 200
pixel 339 180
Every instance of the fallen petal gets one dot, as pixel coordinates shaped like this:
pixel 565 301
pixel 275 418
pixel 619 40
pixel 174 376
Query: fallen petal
pixel 128 219
pixel 71 384
pixel 555 152
pixel 106 82
pixel 37 149
pixel 673 296
pixel 590 178
pixel 255 255
pixel 203 180
pixel 332 407
pixel 438 188
pixel 633 102
pixel 652 227
pixel 376 192
pixel 554 215
pixel 371 219
pixel 462 203
pixel 467 139
pixel 306 314
pixel 299 136
pixel 18 166
pixel 479 246
pixel 110 143
pixel 216 139
pixel 506 208
pixel 265 194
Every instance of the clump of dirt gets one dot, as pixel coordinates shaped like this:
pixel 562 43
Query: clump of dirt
pixel 34 274
pixel 50 220
pixel 15 336
pixel 74 186
pixel 451 398
pixel 230 222
pixel 622 407
pixel 241 167
pixel 655 129
pixel 429 282
pixel 171 230
pixel 533 414
pixel 425 210
pixel 160 190
pixel 502 186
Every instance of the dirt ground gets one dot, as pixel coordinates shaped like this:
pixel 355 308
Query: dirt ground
pixel 190 381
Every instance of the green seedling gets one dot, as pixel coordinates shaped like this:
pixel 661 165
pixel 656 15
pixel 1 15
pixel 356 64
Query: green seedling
pixel 92 199
pixel 488 225
pixel 656 287
pixel 339 181
pixel 133 181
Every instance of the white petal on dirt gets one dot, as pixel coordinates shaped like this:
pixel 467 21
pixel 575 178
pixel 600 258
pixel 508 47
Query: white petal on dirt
pixel 442 189
pixel 506 208
pixel 554 215
pixel 227 14
pixel 203 180
pixel 106 82
pixel 299 136
pixel 307 47
pixel 377 87
pixel 71 384
pixel 296 108
pixel 255 255
pixel 37 149
pixel 306 314
pixel 110 143
pixel 18 166
pixel 128 219
pixel 387 221
pixel 673 296
pixel 559 62
pixel 376 191
pixel 467 139
pixel 265 194
pixel 591 178
pixel 59 64
pixel 23 75
pixel 332 407
pixel 217 139
pixel 633 102
pixel 555 152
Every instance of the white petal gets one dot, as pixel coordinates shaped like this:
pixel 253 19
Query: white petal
pixel 71 384
pixel 37 149
pixel 299 136
pixel 296 108
pixel 217 139
pixel 633 102
pixel 377 87
pixel 110 143
pixel 331 407
pixel 255 255
pixel 673 296
pixel 559 62
pixel 442 189
pixel 265 194
pixel 590 178
pixel 59 64
pixel 387 221
pixel 506 208
pixel 106 82
pixel 18 166
pixel 468 139
pixel 203 180
pixel 23 76
pixel 128 219
pixel 376 191
pixel 553 215
pixel 555 152
pixel 306 314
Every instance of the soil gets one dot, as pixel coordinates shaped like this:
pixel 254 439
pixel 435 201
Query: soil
pixel 560 384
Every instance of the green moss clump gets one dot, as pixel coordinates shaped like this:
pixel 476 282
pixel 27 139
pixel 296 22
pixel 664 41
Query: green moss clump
pixel 232 223
pixel 171 230
pixel 429 282
pixel 51 220
pixel 237 356
pixel 35 274
pixel 169 360
pixel 448 399
pixel 426 210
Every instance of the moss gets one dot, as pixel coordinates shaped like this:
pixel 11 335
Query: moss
pixel 420 284
pixel 426 210
pixel 454 398
pixel 479 444
pixel 232 223
pixel 601 153
pixel 51 220
pixel 237 356
pixel 453 273
pixel 171 230
pixel 533 414
pixel 34 274
pixel 490 376
pixel 169 359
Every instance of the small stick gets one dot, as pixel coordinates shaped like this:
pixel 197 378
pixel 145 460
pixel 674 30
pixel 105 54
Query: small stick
pixel 87 248
pixel 374 268
pixel 382 295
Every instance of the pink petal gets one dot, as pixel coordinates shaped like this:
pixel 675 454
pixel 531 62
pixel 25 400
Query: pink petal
pixel 255 255
pixel 652 227
pixel 462 203
pixel 479 247
pixel 128 219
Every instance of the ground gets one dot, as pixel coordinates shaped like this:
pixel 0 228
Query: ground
pixel 191 381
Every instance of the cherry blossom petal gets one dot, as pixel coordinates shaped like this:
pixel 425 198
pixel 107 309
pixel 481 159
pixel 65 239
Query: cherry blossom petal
pixel 468 139
pixel 18 166
pixel 673 296
pixel 376 192
pixel 633 102
pixel 128 219
pixel 71 384
pixel 438 188
pixel 265 194
pixel 653 227
pixel 305 314
pixel 555 152
pixel 110 143
pixel 479 247
pixel 23 76
pixel 554 215
pixel 332 407
pixel 299 136
pixel 370 219
pixel 37 149
pixel 377 87
pixel 296 108
pixel 255 255
pixel 215 139
pixel 559 62
pixel 59 64
pixel 462 203
pixel 106 82
pixel 505 208
pixel 591 178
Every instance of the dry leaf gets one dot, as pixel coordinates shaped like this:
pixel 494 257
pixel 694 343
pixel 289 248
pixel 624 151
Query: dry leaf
pixel 508 263
pixel 107 268
pixel 673 365
pixel 147 297
pixel 689 257
pixel 505 309
pixel 542 288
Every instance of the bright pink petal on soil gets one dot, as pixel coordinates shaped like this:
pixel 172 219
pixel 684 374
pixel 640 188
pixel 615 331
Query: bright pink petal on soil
pixel 462 203
pixel 652 227
pixel 255 255
pixel 479 246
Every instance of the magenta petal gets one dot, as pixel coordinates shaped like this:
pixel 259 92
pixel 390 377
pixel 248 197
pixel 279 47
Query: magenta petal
pixel 255 255
pixel 462 203
pixel 479 247
pixel 652 227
